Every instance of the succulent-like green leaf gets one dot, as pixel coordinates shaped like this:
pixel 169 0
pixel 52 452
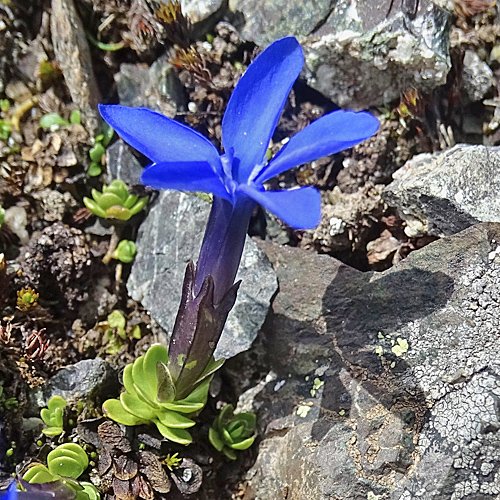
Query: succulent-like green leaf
pixel 38 474
pixel 108 200
pixel 144 387
pixel 128 380
pixel 107 135
pixel 236 430
pixel 243 445
pixel 119 188
pixel 66 466
pixel 116 319
pixel 68 459
pixel 141 203
pixel 75 117
pixel 166 387
pixel 94 207
pixel 51 119
pixel 250 420
pixel 53 431
pixel 211 368
pixel 96 152
pixel 215 439
pixel 118 212
pixel 56 402
pixel 226 436
pixel 156 353
pixel 114 409
pixel 94 171
pixel 90 490
pixel 46 416
pixel 175 420
pixel 137 407
pixel 231 454
pixel 130 201
pixel 125 252
pixel 180 436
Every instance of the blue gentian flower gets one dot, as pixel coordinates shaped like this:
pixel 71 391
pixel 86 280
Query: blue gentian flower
pixel 184 159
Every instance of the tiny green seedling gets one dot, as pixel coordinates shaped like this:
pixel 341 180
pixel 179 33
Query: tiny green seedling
pixel 98 151
pixel 53 416
pixel 172 461
pixel 27 298
pixel 115 202
pixel 117 332
pixel 66 464
pixel 125 251
pixel 231 432
pixel 150 397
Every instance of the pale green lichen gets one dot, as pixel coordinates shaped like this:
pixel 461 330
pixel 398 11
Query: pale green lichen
pixel 317 384
pixel 401 347
pixel 303 410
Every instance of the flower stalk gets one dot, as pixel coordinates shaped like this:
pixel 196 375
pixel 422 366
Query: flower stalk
pixel 185 160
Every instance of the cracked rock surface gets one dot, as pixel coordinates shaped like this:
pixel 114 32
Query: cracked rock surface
pixel 359 53
pixel 445 192
pixel 170 236
pixel 387 384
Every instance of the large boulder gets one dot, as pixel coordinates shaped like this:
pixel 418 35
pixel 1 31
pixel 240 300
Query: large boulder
pixel 387 384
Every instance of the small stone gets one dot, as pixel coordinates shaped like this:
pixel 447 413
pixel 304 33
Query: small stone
pixel 477 77
pixel 89 381
pixel 157 88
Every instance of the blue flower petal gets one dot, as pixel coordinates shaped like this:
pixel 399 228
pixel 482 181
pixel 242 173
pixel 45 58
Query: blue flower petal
pixel 299 208
pixel 256 103
pixel 185 176
pixel 328 135
pixel 159 137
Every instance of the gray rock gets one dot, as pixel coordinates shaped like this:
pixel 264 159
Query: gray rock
pixel 122 164
pixel 358 65
pixel 477 77
pixel 418 422
pixel 448 191
pixel 89 381
pixel 157 88
pixel 199 10
pixel 73 56
pixel 359 53
pixel 170 236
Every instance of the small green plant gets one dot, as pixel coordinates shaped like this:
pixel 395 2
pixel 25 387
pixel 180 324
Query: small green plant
pixel 125 251
pixel 172 461
pixel 5 129
pixel 2 215
pixel 53 416
pixel 50 120
pixel 6 404
pixel 115 202
pixel 231 432
pixel 66 464
pixel 118 332
pixel 150 396
pixel 98 151
pixel 26 298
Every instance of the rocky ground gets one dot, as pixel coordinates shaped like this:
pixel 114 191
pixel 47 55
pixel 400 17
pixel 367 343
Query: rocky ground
pixel 368 347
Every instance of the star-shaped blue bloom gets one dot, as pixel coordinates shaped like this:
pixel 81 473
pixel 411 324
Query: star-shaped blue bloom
pixel 184 159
